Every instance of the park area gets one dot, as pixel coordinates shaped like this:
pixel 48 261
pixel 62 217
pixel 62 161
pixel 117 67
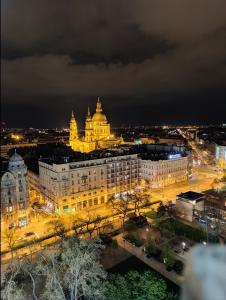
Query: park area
pixel 165 240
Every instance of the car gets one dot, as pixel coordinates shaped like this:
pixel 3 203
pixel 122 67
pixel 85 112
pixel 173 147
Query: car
pixel 202 221
pixel 27 234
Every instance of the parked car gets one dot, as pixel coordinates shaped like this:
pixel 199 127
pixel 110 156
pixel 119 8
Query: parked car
pixel 202 221
pixel 28 234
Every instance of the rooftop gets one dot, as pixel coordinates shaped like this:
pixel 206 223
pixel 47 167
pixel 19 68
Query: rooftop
pixel 97 154
pixel 190 195
pixel 158 152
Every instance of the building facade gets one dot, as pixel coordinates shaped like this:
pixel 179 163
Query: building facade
pixel 189 203
pixel 220 154
pixel 14 193
pixel 74 186
pixel 97 133
pixel 161 173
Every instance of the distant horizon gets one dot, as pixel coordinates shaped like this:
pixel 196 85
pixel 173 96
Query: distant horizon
pixel 125 127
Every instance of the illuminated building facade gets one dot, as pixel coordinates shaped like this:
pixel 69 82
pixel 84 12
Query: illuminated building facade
pixel 220 154
pixel 163 164
pixel 73 186
pixel 89 180
pixel 161 173
pixel 97 133
pixel 14 193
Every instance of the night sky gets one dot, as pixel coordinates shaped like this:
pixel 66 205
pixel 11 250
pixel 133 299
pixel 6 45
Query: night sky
pixel 150 61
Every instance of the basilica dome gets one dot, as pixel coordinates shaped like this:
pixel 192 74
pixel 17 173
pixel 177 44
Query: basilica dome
pixel 98 116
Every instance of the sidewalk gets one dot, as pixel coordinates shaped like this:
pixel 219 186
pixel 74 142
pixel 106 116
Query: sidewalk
pixel 157 266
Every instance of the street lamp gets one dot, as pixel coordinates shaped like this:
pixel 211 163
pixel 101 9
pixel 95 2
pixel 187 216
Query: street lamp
pixel 183 244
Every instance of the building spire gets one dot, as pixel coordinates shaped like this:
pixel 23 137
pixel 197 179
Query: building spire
pixel 99 108
pixel 72 114
pixel 88 117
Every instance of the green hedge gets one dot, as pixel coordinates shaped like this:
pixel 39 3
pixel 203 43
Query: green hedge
pixel 182 229
pixel 171 263
pixel 134 238
pixel 151 214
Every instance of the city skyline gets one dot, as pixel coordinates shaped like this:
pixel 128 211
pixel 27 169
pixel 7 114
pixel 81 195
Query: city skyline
pixel 150 63
pixel 113 149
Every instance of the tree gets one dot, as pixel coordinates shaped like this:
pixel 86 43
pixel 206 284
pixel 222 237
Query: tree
pixel 9 287
pixel 136 286
pixel 117 288
pixel 91 223
pixel 161 210
pixel 19 272
pixel 58 228
pixel 138 201
pixel 11 237
pixel 75 273
pixel 120 206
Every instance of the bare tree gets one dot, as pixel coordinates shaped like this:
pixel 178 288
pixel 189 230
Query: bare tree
pixel 120 206
pixel 12 285
pixel 9 287
pixel 75 274
pixel 11 237
pixel 106 226
pixel 138 200
pixel 28 267
pixel 91 223
pixel 58 228
pixel 78 228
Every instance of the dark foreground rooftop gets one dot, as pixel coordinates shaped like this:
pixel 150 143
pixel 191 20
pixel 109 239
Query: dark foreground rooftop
pixel 190 195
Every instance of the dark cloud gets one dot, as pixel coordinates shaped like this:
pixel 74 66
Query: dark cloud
pixel 125 51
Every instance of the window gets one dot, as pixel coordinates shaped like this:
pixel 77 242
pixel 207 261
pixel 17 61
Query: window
pixel 102 200
pixel 90 202
pixel 95 201
pixel 84 204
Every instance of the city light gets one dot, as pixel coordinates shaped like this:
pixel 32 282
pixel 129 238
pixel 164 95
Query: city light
pixel 16 137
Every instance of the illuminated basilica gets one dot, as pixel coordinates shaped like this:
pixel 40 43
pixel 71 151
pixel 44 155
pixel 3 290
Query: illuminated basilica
pixel 97 132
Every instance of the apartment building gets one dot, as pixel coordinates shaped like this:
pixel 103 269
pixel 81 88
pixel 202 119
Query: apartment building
pixel 160 172
pixel 14 193
pixel 76 185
